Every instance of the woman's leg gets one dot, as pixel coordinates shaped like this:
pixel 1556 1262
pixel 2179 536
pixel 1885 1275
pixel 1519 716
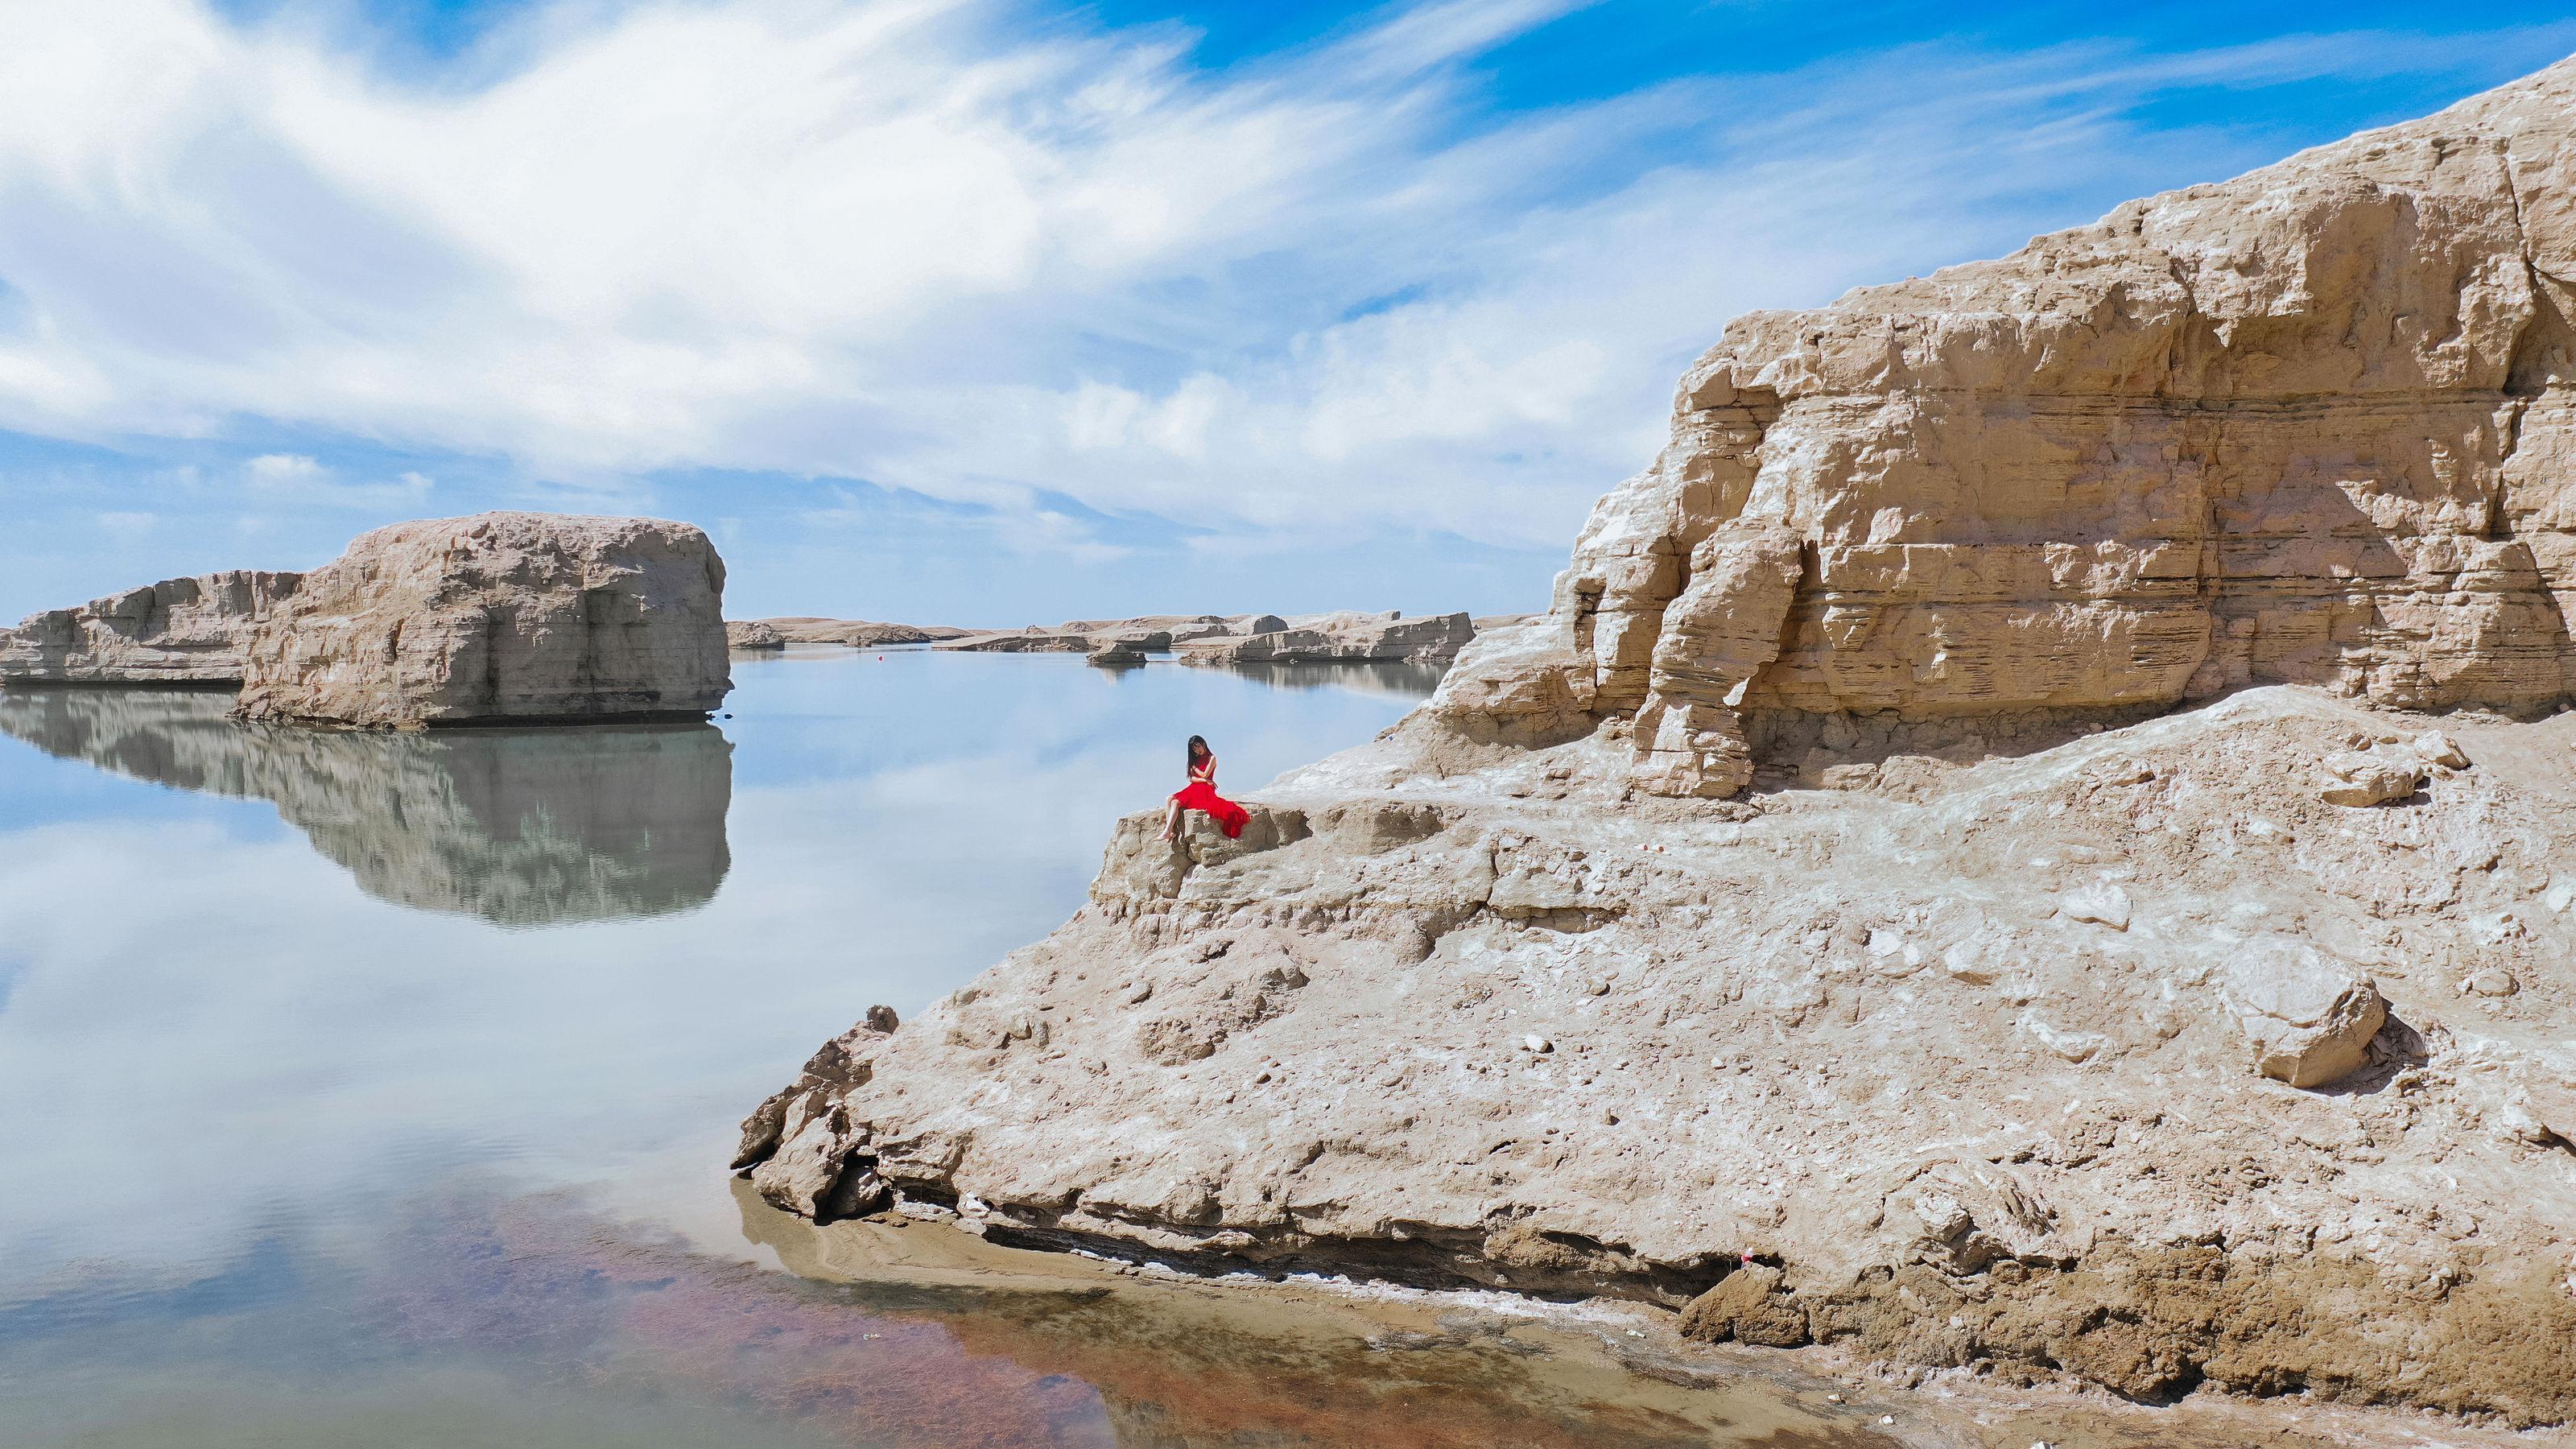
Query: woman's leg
pixel 1172 822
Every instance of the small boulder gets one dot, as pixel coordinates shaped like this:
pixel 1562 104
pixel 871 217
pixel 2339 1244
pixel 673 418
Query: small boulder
pixel 2103 903
pixel 1116 654
pixel 753 634
pixel 1746 1306
pixel 2358 778
pixel 2309 1017
pixel 2437 748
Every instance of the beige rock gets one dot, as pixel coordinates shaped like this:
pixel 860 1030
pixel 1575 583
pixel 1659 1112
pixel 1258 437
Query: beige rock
pixel 2358 777
pixel 1116 654
pixel 178 631
pixel 2311 425
pixel 2436 748
pixel 2309 1016
pixel 753 634
pixel 501 616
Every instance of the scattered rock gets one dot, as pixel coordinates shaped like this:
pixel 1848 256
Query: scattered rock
pixel 2309 1016
pixel 2356 778
pixel 2437 748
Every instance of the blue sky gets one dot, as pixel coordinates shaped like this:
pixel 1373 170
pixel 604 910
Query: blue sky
pixel 982 312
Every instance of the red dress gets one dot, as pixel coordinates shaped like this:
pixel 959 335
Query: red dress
pixel 1200 794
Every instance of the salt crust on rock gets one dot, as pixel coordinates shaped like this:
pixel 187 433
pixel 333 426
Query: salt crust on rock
pixel 1968 1034
pixel 498 617
pixel 178 631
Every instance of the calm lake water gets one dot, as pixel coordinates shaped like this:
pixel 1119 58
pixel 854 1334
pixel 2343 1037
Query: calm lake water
pixel 376 1090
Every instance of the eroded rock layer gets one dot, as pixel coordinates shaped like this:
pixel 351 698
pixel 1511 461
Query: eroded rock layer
pixel 501 616
pixel 178 631
pixel 2308 426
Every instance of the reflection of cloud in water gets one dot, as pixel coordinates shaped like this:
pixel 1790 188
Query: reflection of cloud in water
pixel 203 1006
pixel 523 827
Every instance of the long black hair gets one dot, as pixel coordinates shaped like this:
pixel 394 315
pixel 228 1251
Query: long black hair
pixel 1198 750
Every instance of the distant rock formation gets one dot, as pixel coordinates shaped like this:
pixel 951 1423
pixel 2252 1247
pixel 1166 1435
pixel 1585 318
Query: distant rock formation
pixel 856 633
pixel 178 631
pixel 1388 638
pixel 1337 638
pixel 498 617
pixel 524 827
pixel 753 634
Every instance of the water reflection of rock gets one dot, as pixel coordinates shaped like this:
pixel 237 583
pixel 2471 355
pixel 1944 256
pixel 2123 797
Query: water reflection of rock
pixel 1403 681
pixel 522 827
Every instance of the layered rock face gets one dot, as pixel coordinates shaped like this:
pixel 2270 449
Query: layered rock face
pixel 2019 1019
pixel 519 827
pixel 498 617
pixel 2309 426
pixel 178 631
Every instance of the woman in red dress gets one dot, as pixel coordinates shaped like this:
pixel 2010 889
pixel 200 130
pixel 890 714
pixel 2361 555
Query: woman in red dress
pixel 1200 794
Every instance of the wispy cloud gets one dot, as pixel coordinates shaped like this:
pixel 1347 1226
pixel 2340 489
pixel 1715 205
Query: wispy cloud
pixel 928 244
pixel 283 478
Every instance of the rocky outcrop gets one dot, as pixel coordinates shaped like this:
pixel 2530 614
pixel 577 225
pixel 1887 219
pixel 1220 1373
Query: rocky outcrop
pixel 856 633
pixel 499 617
pixel 1339 638
pixel 178 631
pixel 520 827
pixel 2031 1010
pixel 2312 426
pixel 753 635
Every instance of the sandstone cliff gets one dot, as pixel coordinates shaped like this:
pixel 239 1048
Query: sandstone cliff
pixel 518 827
pixel 501 616
pixel 2310 426
pixel 178 631
pixel 2018 1018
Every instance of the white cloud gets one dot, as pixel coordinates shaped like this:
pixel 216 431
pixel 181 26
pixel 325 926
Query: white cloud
pixel 126 526
pixel 933 245
pixel 296 478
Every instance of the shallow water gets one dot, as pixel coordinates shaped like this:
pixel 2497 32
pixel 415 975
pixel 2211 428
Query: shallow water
pixel 376 1089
